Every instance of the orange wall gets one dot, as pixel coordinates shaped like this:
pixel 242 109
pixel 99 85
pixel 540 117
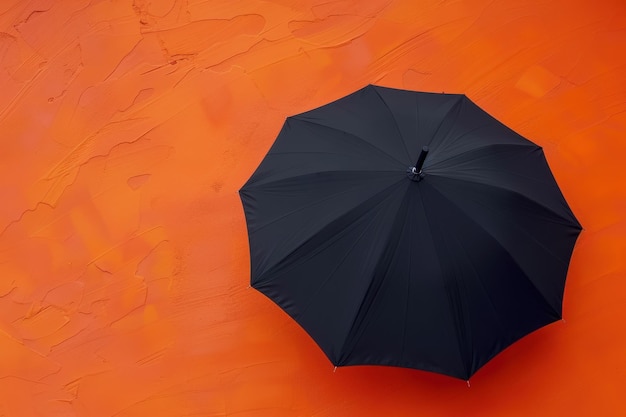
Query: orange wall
pixel 127 128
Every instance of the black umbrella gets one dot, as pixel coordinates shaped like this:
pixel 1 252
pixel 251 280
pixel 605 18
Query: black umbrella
pixel 409 229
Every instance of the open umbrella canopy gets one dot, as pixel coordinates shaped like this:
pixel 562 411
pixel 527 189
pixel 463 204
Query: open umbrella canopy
pixel 409 229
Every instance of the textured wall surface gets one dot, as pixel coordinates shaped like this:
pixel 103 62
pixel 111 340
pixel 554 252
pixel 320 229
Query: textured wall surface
pixel 127 128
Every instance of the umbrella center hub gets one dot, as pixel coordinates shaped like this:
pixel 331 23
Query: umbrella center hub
pixel 414 174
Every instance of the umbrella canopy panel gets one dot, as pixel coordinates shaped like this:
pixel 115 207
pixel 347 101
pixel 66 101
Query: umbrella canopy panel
pixel 439 274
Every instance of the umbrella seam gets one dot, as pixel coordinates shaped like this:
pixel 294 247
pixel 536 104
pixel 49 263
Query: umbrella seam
pixel 256 185
pixel 455 322
pixel 434 162
pixel 379 150
pixel 364 308
pixel 476 366
pixel 567 222
pixel 395 122
pixel 343 192
pixel 271 268
pixel 407 292
pixel 443 119
pixel 468 216
pixel 330 197
pixel 553 183
pixel 332 273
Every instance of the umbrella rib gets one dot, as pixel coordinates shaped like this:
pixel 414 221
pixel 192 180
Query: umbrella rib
pixel 290 253
pixel 447 290
pixel 469 217
pixel 337 266
pixel 395 122
pixel 256 185
pixel 379 150
pixel 356 333
pixel 317 202
pixel 334 270
pixel 567 221
pixel 458 137
pixel 482 285
pixel 480 148
pixel 407 292
pixel 434 161
pixel 445 117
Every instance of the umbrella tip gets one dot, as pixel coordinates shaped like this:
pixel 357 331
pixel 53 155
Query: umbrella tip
pixel 334 369
pixel 468 383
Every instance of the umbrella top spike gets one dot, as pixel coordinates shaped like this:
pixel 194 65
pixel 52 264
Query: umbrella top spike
pixel 415 173
pixel 421 159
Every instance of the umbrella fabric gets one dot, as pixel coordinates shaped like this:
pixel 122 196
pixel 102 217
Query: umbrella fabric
pixel 385 262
